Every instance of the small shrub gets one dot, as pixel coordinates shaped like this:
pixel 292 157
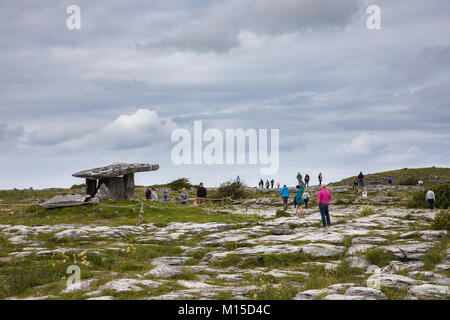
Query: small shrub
pixel 441 221
pixel 269 291
pixel 367 210
pixel 393 293
pixel 180 184
pixel 441 192
pixel 78 186
pixel 232 190
pixel 228 261
pixel 282 213
pixel 340 202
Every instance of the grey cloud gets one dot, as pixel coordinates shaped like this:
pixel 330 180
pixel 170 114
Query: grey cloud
pixel 285 70
pixel 220 31
pixel 10 135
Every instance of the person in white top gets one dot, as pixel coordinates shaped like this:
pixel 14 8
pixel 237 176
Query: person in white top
pixel 306 198
pixel 430 197
pixel 154 195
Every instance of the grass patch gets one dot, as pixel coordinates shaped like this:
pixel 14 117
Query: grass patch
pixel 441 221
pixel 344 273
pixel 436 254
pixel 270 291
pixel 367 210
pixel 379 257
pixel 393 293
pixel 282 213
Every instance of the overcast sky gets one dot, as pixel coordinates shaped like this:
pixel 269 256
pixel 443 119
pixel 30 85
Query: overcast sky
pixel 345 98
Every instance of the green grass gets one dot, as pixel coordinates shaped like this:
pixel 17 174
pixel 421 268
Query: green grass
pixel 367 211
pixel 344 273
pixel 269 291
pixel 121 212
pixel 379 257
pixel 441 221
pixel 394 293
pixel 436 254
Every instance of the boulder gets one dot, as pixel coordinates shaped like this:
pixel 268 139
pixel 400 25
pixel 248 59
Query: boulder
pixel 412 250
pixel 103 192
pixel 123 285
pixel 367 293
pixel 164 271
pixel 390 280
pixel 429 291
pixel 71 200
pixel 336 296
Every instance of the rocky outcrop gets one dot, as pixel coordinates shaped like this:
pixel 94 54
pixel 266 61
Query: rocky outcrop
pixel 71 200
pixel 429 291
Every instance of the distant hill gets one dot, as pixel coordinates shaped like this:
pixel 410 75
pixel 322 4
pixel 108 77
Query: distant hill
pixel 406 176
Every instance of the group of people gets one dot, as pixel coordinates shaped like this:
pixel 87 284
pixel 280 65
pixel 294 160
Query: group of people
pixel 150 193
pixel 269 184
pixel 302 196
pixel 307 179
pixel 302 182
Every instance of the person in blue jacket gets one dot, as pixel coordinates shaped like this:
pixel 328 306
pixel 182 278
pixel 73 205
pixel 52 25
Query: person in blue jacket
pixel 299 200
pixel 285 195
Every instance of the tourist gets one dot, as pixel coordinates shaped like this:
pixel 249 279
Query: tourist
pixel 306 198
pixel 389 180
pixel 165 194
pixel 323 200
pixel 201 194
pixel 320 178
pixel 299 178
pixel 272 183
pixel 148 193
pixel 278 185
pixel 299 200
pixel 261 184
pixel 355 185
pixel 238 180
pixel 307 180
pixel 361 179
pixel 430 197
pixel 285 196
pixel 184 196
pixel 154 195
pixel 420 184
pixel 267 184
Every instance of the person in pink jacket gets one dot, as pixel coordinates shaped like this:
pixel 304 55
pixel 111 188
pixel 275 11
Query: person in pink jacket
pixel 323 200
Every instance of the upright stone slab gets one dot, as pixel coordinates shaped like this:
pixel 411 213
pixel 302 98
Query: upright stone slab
pixel 115 186
pixel 128 181
pixel 91 187
pixel 102 193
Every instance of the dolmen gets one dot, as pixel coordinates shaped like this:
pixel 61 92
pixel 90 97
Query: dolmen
pixel 115 181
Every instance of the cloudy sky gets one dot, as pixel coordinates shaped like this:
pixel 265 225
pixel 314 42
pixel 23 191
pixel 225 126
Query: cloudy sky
pixel 345 98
